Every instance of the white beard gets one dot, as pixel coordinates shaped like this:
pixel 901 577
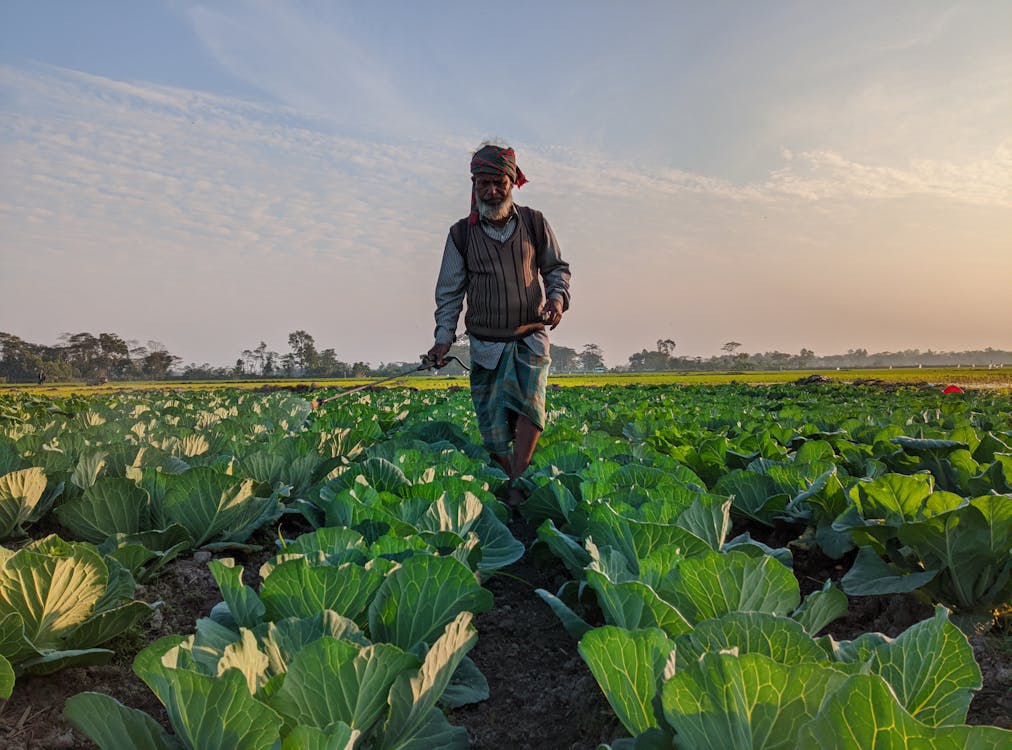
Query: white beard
pixel 495 211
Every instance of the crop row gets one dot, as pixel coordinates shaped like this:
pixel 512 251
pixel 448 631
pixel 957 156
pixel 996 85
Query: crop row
pixel 355 632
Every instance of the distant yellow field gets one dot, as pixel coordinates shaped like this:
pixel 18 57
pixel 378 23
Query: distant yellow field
pixel 966 376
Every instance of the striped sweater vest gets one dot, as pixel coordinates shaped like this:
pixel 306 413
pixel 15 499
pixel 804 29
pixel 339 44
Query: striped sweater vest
pixel 504 295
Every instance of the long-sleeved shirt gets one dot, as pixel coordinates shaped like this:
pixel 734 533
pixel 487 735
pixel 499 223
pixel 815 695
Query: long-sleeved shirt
pixel 451 287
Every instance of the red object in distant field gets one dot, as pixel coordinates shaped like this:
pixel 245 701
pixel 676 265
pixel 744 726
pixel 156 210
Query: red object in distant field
pixel 953 389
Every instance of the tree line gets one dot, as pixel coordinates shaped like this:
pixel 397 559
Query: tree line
pixel 107 356
pixel 733 357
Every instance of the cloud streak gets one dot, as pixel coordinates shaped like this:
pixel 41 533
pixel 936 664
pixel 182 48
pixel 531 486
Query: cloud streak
pixel 210 223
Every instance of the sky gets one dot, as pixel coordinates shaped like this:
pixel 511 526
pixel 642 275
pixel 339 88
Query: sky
pixel 785 175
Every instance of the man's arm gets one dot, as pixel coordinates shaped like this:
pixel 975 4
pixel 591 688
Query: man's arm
pixel 450 288
pixel 555 275
pixel 554 270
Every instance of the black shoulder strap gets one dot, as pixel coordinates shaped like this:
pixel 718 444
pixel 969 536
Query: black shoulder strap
pixel 535 224
pixel 458 233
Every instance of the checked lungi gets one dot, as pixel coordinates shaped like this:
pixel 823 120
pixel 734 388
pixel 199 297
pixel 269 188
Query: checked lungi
pixel 516 386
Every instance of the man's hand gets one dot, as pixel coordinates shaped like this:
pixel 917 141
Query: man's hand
pixel 438 353
pixel 551 312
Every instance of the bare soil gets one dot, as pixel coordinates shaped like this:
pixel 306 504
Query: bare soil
pixel 542 694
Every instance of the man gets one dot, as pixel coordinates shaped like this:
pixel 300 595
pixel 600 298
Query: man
pixel 493 259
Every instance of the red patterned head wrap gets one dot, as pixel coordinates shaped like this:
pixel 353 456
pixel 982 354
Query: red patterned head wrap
pixel 495 160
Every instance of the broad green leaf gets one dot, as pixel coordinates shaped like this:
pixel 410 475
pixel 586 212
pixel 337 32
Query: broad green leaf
pixel 499 548
pixel 55 660
pixel 634 605
pixel 932 670
pixel 206 647
pixel 468 685
pixel 414 722
pixel 331 681
pixel 782 639
pixel 113 726
pixel 864 714
pixel 89 466
pixel 149 666
pixel 638 539
pixel 378 473
pixel 333 544
pixel 210 504
pixel 245 657
pixel 727 701
pixel 112 505
pixel 295 589
pixel 754 548
pixel 107 624
pixel 629 666
pixel 457 514
pixel 13 644
pixel 218 713
pixel 708 518
pixel 145 553
pixel 551 500
pixel 243 603
pixel 755 495
pixel 919 446
pixel 712 585
pixel 895 499
pixel 418 599
pixel 822 607
pixel 575 625
pixel 971 546
pixel 283 640
pixel 565 547
pixel 339 737
pixel 6 678
pixel 20 493
pixel 53 595
pixel 870 575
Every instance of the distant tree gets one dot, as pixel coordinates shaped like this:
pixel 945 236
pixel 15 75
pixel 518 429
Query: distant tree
pixel 157 362
pixel 649 361
pixel 778 359
pixel 360 370
pixel 303 350
pixel 564 359
pixel 591 358
pixel 259 358
pixel 652 361
pixel 730 347
pixel 329 366
pixel 83 351
pixel 20 360
pixel 114 355
pixel 249 362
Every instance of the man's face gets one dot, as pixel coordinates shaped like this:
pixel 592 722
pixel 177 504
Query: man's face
pixel 494 196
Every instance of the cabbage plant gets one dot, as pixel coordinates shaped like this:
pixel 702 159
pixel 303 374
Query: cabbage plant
pixel 752 680
pixel 957 551
pixel 299 683
pixel 58 602
pixel 23 500
pixel 212 508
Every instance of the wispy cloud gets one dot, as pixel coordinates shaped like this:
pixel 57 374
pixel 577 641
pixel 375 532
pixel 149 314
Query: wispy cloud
pixel 211 223
pixel 308 59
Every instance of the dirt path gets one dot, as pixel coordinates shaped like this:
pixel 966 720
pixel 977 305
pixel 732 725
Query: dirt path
pixel 542 694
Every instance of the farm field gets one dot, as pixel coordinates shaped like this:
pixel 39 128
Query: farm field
pixel 978 377
pixel 177 560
